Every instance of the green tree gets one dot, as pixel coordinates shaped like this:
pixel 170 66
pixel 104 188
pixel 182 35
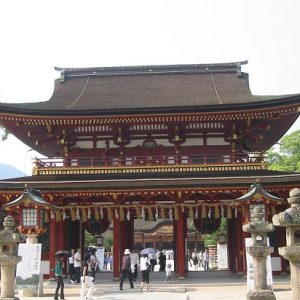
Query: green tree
pixel 3 133
pixel 287 156
pixel 89 239
pixel 213 238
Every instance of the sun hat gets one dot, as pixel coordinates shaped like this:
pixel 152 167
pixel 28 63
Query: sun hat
pixel 127 251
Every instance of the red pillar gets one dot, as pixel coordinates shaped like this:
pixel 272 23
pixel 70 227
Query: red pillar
pixel 116 248
pixel 180 244
pixel 54 244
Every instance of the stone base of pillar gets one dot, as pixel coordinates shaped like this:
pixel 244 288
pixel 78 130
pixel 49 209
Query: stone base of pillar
pixel 261 295
pixel 28 293
pixel 9 298
pixel 181 278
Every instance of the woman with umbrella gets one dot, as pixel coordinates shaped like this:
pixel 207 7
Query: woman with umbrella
pixel 151 252
pixel 59 264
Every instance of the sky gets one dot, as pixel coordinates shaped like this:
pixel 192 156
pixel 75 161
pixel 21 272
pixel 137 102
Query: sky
pixel 38 35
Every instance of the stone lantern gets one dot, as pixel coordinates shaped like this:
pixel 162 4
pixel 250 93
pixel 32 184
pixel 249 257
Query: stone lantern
pixel 290 219
pixel 9 240
pixel 259 250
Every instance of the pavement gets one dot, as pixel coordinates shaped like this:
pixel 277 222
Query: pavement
pixel 199 285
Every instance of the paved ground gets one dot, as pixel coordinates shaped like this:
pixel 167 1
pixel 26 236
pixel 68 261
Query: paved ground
pixel 199 285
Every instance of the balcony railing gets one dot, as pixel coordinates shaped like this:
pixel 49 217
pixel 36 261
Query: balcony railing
pixel 151 163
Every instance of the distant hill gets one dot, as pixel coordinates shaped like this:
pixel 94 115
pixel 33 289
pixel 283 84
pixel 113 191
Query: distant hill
pixel 8 171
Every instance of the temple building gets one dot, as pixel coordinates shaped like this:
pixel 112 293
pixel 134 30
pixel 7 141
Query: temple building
pixel 154 143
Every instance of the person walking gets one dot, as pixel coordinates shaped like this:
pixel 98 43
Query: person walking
pixel 195 258
pixel 87 282
pixel 205 260
pixel 145 271
pixel 71 266
pixel 162 261
pixel 77 265
pixel 134 256
pixel 59 264
pixel 153 260
pixel 168 273
pixel 126 269
pixel 93 261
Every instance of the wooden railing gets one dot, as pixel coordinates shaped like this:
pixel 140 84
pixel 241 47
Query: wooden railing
pixel 151 163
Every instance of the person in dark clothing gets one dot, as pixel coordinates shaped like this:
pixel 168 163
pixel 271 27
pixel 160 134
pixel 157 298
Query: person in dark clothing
pixel 162 261
pixel 59 264
pixel 126 269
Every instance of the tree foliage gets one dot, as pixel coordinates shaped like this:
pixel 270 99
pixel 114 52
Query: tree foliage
pixel 287 156
pixel 213 238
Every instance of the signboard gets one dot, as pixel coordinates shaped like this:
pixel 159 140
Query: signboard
pixel 28 269
pixel 100 257
pixel 250 268
pixel 222 256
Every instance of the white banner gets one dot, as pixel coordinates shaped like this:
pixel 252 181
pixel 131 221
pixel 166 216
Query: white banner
pixel 28 269
pixel 222 256
pixel 100 257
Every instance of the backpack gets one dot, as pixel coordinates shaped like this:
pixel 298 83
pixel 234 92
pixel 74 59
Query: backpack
pixel 126 262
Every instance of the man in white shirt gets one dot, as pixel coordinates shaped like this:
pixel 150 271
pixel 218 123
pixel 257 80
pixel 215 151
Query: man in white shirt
pixel 134 257
pixel 77 265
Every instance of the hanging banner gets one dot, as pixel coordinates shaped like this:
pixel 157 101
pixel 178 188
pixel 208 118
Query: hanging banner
pixel 100 257
pixel 250 268
pixel 222 255
pixel 28 269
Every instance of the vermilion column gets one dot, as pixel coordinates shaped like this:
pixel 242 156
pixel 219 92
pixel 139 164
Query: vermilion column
pixel 54 245
pixel 116 248
pixel 180 244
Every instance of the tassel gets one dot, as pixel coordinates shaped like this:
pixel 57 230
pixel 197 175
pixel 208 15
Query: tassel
pixel 64 214
pixel 77 214
pixel 229 213
pixel 176 213
pixel 52 216
pixel 235 212
pixel 150 214
pixel 101 212
pixel 73 215
pixel 143 213
pixel 128 215
pixel 217 212
pixel 89 214
pixel 57 216
pixel 84 215
pixel 122 214
pixel 170 214
pixel 191 213
pixel 203 214
pixel 182 207
pixel 96 214
pixel 156 213
pixel 209 212
pixel 116 214
pixel 196 213
pixel 46 217
pixel 162 212
pixel 138 213
pixel 222 210
pixel 273 210
pixel 109 214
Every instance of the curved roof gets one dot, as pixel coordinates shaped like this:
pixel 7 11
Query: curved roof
pixel 148 89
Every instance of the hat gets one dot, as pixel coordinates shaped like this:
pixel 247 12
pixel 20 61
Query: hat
pixel 127 251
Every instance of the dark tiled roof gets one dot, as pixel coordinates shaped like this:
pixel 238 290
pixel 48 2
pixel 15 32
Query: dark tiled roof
pixel 161 181
pixel 148 88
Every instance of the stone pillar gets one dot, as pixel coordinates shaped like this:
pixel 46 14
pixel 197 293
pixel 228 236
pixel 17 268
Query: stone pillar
pixel 8 258
pixel 259 251
pixel 290 219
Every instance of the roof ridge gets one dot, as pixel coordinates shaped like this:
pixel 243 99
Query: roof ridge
pixel 232 67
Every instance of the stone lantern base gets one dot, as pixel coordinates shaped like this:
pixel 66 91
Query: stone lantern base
pixel 261 295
